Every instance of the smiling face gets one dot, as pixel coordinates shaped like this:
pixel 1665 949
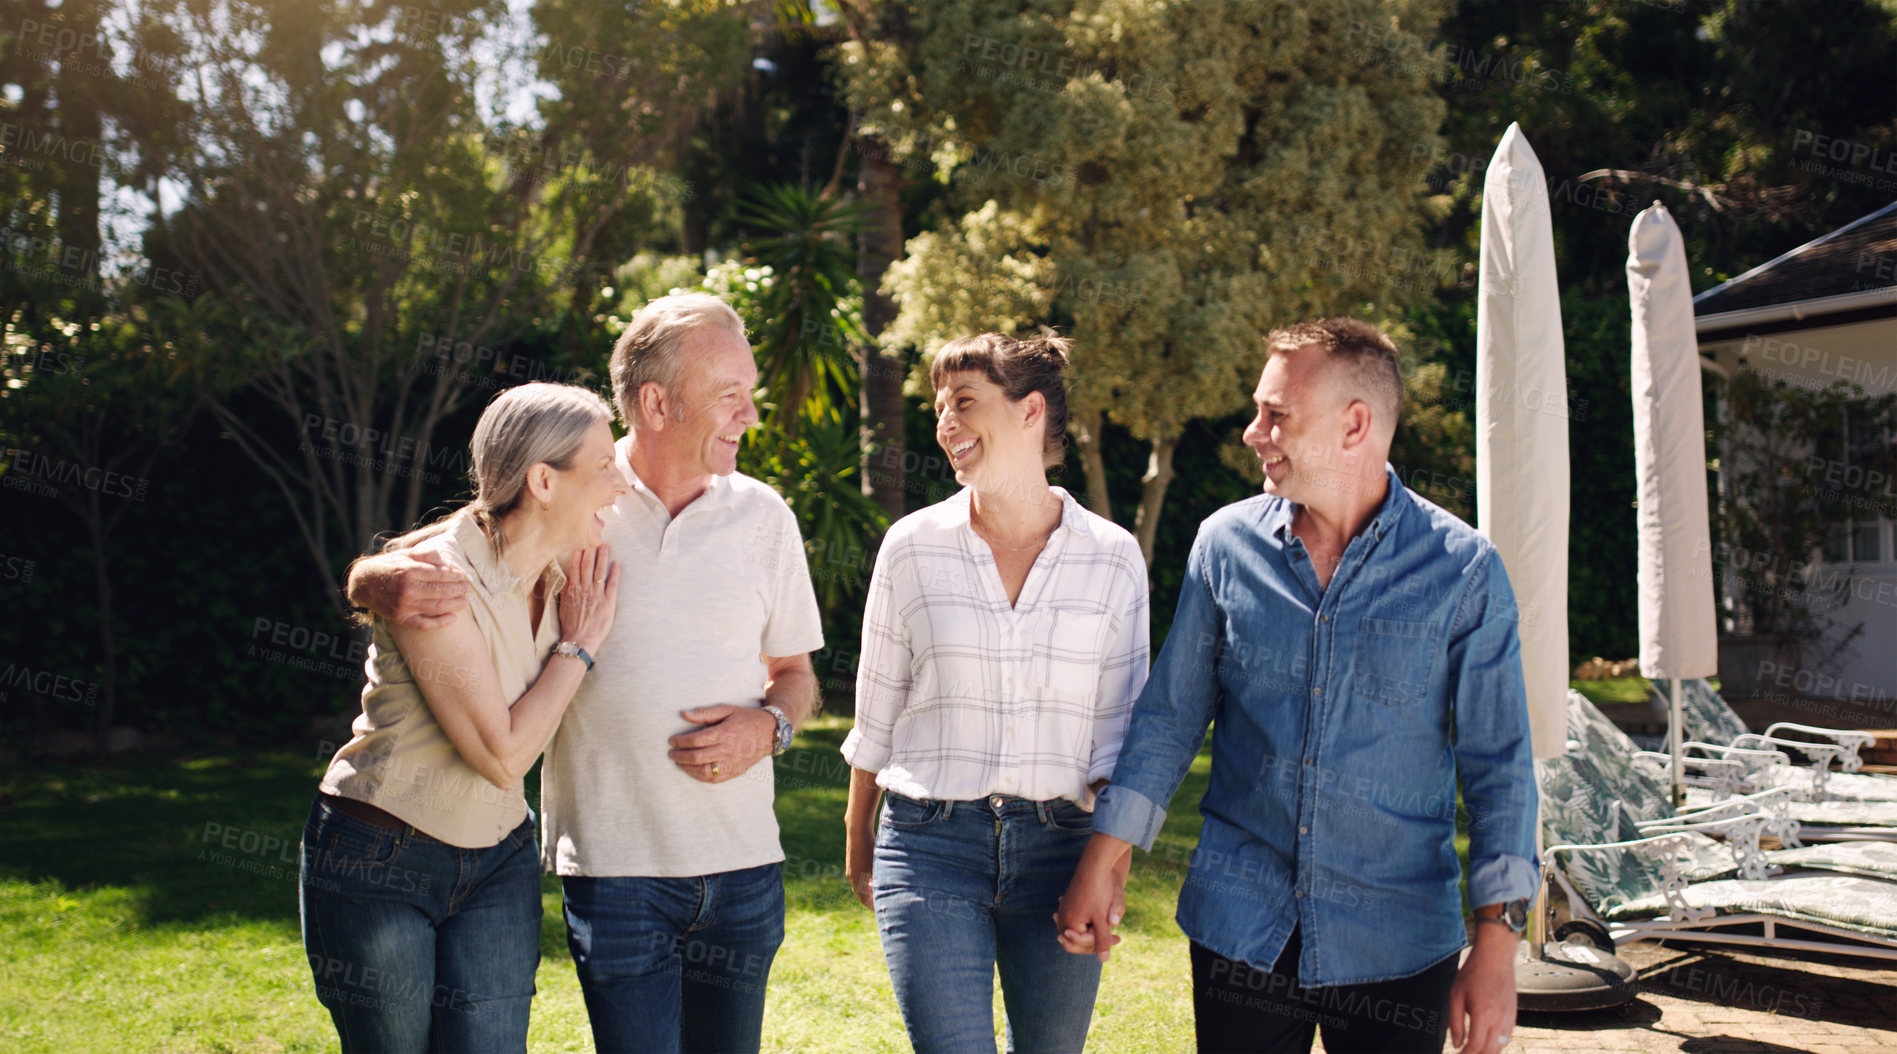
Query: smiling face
pixel 716 379
pixel 589 484
pixel 982 432
pixel 1300 428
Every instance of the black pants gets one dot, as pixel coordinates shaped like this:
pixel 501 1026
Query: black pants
pixel 1241 1010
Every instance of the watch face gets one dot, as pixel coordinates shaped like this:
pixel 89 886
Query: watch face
pixel 1516 912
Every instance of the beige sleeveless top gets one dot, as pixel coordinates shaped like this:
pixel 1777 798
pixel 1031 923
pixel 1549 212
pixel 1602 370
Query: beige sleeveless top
pixel 400 760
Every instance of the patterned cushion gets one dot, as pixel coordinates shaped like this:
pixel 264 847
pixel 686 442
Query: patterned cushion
pixel 1708 718
pixel 1870 859
pixel 1866 905
pixel 1593 795
pixel 1839 786
pixel 1610 754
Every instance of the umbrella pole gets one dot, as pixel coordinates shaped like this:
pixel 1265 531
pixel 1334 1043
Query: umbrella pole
pixel 1673 732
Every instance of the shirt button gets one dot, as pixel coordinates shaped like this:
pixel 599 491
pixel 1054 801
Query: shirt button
pixel 1299 894
pixel 1317 691
pixel 1323 618
pixel 1304 830
pixel 1310 761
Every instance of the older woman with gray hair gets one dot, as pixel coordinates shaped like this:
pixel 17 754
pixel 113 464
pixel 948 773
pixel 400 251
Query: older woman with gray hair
pixel 420 894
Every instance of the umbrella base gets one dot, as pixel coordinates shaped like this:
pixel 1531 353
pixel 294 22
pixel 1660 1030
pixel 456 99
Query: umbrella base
pixel 1573 975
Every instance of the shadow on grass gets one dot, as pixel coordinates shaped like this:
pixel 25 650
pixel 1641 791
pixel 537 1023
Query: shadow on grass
pixel 191 837
pixel 196 838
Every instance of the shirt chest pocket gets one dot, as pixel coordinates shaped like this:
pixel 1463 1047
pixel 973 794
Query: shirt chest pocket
pixel 1396 660
pixel 1068 655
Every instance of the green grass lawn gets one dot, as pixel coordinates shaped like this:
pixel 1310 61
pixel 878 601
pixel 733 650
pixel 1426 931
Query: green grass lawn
pixel 127 925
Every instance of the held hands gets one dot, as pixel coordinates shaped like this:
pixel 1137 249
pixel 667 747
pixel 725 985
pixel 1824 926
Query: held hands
pixel 591 598
pixel 1482 999
pixel 1096 898
pixel 734 739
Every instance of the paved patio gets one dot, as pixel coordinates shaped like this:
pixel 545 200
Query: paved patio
pixel 1723 1001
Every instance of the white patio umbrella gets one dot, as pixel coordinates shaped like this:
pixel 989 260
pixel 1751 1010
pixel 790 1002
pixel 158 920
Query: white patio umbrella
pixel 1521 422
pixel 1678 632
pixel 1521 465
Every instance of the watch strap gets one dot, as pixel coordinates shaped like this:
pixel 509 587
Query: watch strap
pixel 1514 915
pixel 567 647
pixel 784 731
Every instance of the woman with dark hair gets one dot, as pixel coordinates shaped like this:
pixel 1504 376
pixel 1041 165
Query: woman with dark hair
pixel 420 894
pixel 1004 642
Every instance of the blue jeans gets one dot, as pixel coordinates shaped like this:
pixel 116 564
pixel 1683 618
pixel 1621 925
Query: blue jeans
pixel 676 964
pixel 418 945
pixel 963 887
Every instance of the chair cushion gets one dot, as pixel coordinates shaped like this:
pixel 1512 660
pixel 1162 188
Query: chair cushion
pixel 1863 904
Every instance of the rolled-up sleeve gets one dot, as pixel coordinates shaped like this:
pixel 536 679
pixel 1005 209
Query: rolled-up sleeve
pixel 883 670
pixel 1171 717
pixel 1124 672
pixel 1493 755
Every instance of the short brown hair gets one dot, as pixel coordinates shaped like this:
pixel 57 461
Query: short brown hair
pixel 1371 371
pixel 1017 367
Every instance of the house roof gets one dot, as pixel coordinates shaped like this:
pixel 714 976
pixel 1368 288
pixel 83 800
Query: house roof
pixel 1857 258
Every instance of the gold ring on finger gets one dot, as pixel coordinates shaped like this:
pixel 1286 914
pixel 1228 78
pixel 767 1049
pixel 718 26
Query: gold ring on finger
pixel 714 769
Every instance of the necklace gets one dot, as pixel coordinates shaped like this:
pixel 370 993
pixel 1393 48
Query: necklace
pixel 983 534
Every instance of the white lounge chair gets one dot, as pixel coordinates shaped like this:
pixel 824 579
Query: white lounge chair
pixel 1634 876
pixel 1810 752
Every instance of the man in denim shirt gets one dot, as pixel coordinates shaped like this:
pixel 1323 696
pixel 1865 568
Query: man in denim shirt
pixel 1355 649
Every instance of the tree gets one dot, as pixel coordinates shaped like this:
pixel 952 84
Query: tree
pixel 1715 108
pixel 875 28
pixel 86 410
pixel 809 310
pixel 388 239
pixel 1164 182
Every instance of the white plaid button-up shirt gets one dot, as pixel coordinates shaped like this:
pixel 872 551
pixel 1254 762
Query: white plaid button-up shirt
pixel 960 696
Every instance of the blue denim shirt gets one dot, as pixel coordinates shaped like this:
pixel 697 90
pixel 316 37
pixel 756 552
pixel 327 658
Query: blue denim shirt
pixel 1341 719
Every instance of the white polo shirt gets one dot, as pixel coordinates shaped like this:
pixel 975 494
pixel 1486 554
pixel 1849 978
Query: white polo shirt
pixel 701 599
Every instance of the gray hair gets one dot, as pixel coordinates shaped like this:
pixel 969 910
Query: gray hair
pixel 522 427
pixel 647 352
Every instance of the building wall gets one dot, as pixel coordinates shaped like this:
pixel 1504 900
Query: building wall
pixel 1864 580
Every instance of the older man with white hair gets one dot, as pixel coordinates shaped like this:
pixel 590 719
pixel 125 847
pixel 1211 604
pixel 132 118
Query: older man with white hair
pixel 657 813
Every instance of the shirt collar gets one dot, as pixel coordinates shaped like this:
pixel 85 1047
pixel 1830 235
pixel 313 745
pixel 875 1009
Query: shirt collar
pixel 1396 499
pixel 1072 516
pixel 719 493
pixel 494 577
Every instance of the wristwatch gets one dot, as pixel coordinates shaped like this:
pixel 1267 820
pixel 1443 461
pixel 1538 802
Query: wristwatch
pixel 1514 915
pixel 784 731
pixel 567 647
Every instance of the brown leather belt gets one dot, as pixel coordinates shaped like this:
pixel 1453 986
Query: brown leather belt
pixel 365 812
